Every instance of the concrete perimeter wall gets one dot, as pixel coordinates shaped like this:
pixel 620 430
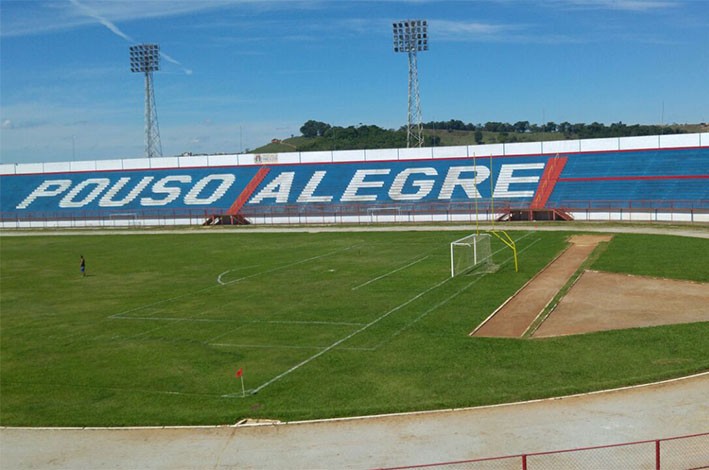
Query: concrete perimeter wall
pixel 340 156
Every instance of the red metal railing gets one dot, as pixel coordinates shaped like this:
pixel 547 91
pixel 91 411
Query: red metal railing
pixel 657 210
pixel 682 452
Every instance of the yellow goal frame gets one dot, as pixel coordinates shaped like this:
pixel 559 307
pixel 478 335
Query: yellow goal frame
pixel 507 240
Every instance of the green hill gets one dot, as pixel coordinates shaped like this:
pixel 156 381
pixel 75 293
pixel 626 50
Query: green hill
pixel 437 135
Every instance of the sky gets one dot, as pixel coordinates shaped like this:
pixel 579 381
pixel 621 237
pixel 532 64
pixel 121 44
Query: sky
pixel 235 74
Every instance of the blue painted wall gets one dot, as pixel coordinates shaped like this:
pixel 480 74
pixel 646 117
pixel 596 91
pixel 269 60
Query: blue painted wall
pixel 588 178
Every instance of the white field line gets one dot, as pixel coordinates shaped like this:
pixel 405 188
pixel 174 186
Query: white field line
pixel 279 268
pixel 419 260
pixel 279 322
pixel 391 272
pixel 445 301
pixel 342 340
pixel 175 319
pixel 265 346
pixel 226 333
pixel 230 320
pixel 144 333
pixel 143 307
pixel 240 268
pixel 305 322
pixel 122 389
pixel 219 284
pixel 282 346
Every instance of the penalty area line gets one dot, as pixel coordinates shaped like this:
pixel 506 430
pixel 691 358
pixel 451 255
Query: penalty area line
pixel 446 300
pixel 351 335
pixel 391 272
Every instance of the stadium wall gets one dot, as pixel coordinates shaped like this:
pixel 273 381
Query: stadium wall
pixel 632 178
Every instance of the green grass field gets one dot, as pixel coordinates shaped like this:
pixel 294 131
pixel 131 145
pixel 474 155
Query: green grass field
pixel 323 325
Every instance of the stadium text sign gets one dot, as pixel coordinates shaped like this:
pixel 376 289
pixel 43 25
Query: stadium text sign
pixel 219 187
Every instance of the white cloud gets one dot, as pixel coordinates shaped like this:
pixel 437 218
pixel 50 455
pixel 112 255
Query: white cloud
pixel 627 5
pixel 466 30
pixel 101 19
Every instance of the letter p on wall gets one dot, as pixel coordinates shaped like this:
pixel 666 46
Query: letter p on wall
pixel 48 188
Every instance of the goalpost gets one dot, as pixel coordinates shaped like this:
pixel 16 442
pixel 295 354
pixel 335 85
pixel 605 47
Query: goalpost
pixel 471 252
pixel 475 252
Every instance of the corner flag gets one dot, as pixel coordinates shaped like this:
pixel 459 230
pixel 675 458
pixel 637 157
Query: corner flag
pixel 240 375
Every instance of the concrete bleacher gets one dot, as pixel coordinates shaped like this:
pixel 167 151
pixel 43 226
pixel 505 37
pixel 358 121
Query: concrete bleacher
pixel 657 179
pixel 634 178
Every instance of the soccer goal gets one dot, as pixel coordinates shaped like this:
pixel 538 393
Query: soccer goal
pixel 473 251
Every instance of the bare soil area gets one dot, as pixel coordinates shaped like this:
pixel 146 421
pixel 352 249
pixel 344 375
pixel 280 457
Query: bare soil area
pixel 516 315
pixel 597 301
pixel 607 301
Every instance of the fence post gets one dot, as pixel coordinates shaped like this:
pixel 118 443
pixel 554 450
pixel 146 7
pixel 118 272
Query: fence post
pixel 524 462
pixel 657 455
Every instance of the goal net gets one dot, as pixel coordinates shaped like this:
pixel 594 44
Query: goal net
pixel 472 252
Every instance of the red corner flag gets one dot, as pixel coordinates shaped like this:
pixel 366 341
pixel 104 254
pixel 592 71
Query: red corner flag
pixel 240 375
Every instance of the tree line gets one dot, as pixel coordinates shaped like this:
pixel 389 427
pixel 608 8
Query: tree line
pixel 569 131
pixel 323 136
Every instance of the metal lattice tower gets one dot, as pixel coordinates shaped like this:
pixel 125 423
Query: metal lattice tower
pixel 411 36
pixel 145 58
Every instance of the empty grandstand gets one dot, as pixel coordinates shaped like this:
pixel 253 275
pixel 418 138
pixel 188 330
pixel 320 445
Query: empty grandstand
pixel 655 178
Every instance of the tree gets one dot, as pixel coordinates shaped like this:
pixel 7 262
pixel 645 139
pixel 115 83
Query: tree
pixel 478 137
pixel 550 127
pixel 314 128
pixel 521 126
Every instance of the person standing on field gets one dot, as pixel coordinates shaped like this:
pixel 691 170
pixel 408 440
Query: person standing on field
pixel 82 265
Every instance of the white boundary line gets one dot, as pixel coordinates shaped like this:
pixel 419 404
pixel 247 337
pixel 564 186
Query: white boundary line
pixel 279 268
pixel 264 346
pixel 610 228
pixel 324 349
pixel 241 268
pixel 342 340
pixel 227 320
pixel 391 272
pixel 445 301
pixel 219 283
pixel 362 417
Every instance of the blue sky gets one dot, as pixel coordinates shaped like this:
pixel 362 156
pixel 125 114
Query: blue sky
pixel 237 73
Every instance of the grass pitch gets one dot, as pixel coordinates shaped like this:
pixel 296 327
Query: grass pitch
pixel 323 325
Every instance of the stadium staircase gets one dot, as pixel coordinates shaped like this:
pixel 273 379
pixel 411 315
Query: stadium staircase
pixel 538 209
pixel 232 216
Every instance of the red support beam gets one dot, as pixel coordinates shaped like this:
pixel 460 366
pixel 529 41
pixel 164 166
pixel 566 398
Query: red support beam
pixel 548 181
pixel 248 191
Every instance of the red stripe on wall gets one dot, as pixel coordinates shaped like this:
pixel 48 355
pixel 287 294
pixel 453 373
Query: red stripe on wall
pixel 634 178
pixel 248 191
pixel 548 181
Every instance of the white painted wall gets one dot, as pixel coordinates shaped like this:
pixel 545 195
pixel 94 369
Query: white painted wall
pixel 527 148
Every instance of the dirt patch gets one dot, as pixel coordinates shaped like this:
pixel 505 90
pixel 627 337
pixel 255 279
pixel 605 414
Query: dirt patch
pixel 606 301
pixel 597 301
pixel 516 315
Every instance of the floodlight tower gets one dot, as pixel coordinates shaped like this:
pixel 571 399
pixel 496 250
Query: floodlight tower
pixel 411 36
pixel 145 58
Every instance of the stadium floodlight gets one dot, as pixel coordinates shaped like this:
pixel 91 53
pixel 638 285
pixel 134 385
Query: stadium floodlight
pixel 411 37
pixel 145 58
